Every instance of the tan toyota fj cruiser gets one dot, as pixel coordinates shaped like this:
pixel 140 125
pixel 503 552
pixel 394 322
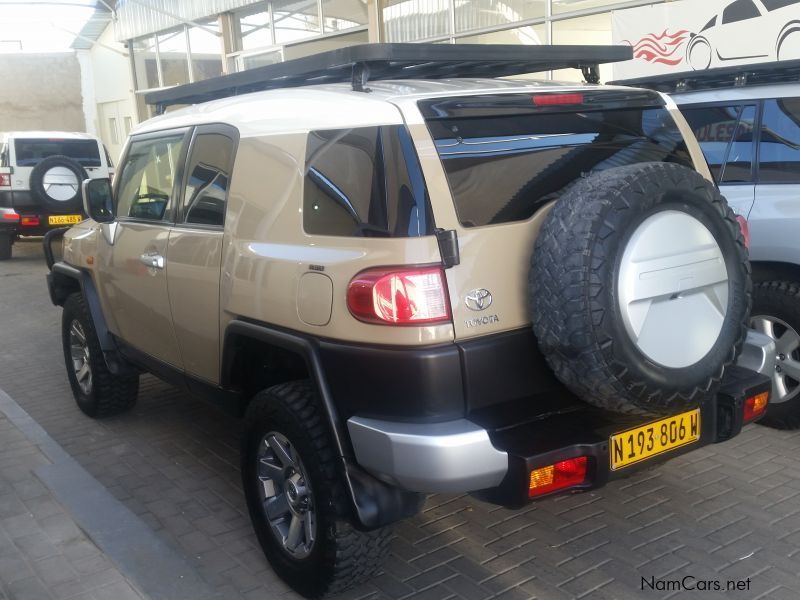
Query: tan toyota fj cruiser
pixel 411 279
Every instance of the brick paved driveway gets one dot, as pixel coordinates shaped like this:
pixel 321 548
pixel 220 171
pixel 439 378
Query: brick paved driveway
pixel 726 512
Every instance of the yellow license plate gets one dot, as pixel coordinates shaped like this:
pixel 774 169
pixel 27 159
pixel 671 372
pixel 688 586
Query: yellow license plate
pixel 63 219
pixel 641 443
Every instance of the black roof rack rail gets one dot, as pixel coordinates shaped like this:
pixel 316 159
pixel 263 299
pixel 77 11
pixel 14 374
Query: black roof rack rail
pixel 364 62
pixel 785 71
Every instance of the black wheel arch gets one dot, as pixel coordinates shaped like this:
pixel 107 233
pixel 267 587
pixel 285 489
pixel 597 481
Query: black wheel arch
pixel 770 270
pixel 374 503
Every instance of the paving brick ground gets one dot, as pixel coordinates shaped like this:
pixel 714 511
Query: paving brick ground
pixel 43 553
pixel 730 511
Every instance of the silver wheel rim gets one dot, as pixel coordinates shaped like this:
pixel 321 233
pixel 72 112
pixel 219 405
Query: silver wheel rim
pixel 286 497
pixel 79 351
pixel 786 378
pixel 673 289
pixel 60 183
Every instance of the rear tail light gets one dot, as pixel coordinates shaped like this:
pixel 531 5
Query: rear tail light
pixel 399 297
pixel 559 476
pixel 556 99
pixel 745 230
pixel 29 221
pixel 10 216
pixel 754 406
pixel 5 179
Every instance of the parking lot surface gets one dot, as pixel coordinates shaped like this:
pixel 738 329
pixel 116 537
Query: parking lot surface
pixel 729 512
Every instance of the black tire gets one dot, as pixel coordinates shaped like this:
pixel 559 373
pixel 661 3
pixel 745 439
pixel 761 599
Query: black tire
pixel 73 204
pixel 341 556
pixel 781 300
pixel 6 240
pixel 109 394
pixel 574 296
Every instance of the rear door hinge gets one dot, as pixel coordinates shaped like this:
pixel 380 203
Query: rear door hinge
pixel 448 247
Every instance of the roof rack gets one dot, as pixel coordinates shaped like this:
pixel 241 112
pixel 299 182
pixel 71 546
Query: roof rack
pixel 785 71
pixel 362 63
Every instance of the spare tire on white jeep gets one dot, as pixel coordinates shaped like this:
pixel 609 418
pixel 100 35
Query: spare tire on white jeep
pixel 640 288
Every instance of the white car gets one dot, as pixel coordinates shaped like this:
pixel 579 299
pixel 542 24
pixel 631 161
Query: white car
pixel 40 180
pixel 747 31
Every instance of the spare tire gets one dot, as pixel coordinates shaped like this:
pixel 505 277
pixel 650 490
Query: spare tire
pixel 56 183
pixel 640 288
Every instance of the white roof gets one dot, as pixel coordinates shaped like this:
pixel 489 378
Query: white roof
pixel 66 135
pixel 336 105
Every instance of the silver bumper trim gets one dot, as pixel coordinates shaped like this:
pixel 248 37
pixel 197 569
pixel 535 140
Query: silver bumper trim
pixel 454 456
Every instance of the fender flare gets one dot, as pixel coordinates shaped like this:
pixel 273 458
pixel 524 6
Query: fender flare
pixel 374 503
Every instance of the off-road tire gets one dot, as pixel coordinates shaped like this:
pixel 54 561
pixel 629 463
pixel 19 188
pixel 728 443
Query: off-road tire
pixel 342 556
pixel 780 299
pixel 73 204
pixel 6 240
pixel 111 394
pixel 573 295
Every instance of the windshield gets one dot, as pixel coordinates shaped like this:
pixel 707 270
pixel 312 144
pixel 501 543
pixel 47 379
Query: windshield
pixel 504 168
pixel 30 152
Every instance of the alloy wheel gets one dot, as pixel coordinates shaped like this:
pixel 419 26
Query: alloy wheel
pixel 786 377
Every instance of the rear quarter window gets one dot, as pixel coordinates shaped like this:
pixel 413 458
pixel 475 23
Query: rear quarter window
pixel 504 168
pixel 365 182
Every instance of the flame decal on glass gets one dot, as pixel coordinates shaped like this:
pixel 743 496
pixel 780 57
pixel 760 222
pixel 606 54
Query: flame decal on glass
pixel 660 48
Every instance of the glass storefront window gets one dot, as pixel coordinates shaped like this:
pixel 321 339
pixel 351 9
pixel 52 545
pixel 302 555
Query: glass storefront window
pixel 563 6
pixel 412 20
pixel 255 30
pixel 172 50
pixel 324 44
pixel 339 15
pixel 144 63
pixel 528 35
pixel 476 14
pixel 295 21
pixel 205 45
pixel 261 60
pixel 594 29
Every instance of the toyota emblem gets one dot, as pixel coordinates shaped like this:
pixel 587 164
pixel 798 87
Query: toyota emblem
pixel 479 299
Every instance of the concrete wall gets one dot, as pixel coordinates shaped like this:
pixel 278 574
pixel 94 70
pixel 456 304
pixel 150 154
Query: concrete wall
pixel 40 91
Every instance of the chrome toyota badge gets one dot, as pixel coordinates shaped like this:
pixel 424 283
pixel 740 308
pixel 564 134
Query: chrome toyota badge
pixel 479 299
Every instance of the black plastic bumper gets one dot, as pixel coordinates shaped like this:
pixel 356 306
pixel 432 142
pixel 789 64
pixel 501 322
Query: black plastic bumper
pixel 584 431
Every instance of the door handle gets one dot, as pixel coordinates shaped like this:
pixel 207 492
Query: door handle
pixel 155 261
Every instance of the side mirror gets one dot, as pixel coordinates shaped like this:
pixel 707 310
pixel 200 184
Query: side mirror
pixel 97 200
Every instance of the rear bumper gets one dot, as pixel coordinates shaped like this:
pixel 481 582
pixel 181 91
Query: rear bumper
pixel 461 456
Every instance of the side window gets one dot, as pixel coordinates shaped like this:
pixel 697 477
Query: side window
pixel 725 134
pixel 776 4
pixel 739 11
pixel 3 154
pixel 207 176
pixel 779 151
pixel 365 182
pixel 148 176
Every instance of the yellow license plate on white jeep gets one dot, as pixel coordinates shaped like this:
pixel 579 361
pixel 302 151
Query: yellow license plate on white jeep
pixel 63 219
pixel 641 443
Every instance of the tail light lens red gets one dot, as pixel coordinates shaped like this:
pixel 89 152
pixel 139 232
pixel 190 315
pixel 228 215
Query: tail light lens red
pixel 10 216
pixel 745 230
pixel 564 474
pixel 5 179
pixel 29 221
pixel 556 99
pixel 399 297
pixel 754 406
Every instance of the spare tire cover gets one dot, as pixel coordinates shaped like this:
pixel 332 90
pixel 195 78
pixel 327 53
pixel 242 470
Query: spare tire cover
pixel 640 288
pixel 56 184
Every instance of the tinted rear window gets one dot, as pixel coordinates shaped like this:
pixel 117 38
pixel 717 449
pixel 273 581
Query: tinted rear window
pixel 31 152
pixel 365 182
pixel 505 168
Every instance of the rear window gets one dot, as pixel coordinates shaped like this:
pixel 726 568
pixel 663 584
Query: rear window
pixel 31 152
pixel 365 182
pixel 504 168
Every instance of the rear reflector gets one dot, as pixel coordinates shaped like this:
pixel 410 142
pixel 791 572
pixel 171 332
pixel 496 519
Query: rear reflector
pixel 564 474
pixel 5 179
pixel 745 230
pixel 556 99
pixel 402 297
pixel 29 221
pixel 755 406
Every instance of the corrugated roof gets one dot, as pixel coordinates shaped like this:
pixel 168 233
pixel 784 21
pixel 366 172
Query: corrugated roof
pixel 93 28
